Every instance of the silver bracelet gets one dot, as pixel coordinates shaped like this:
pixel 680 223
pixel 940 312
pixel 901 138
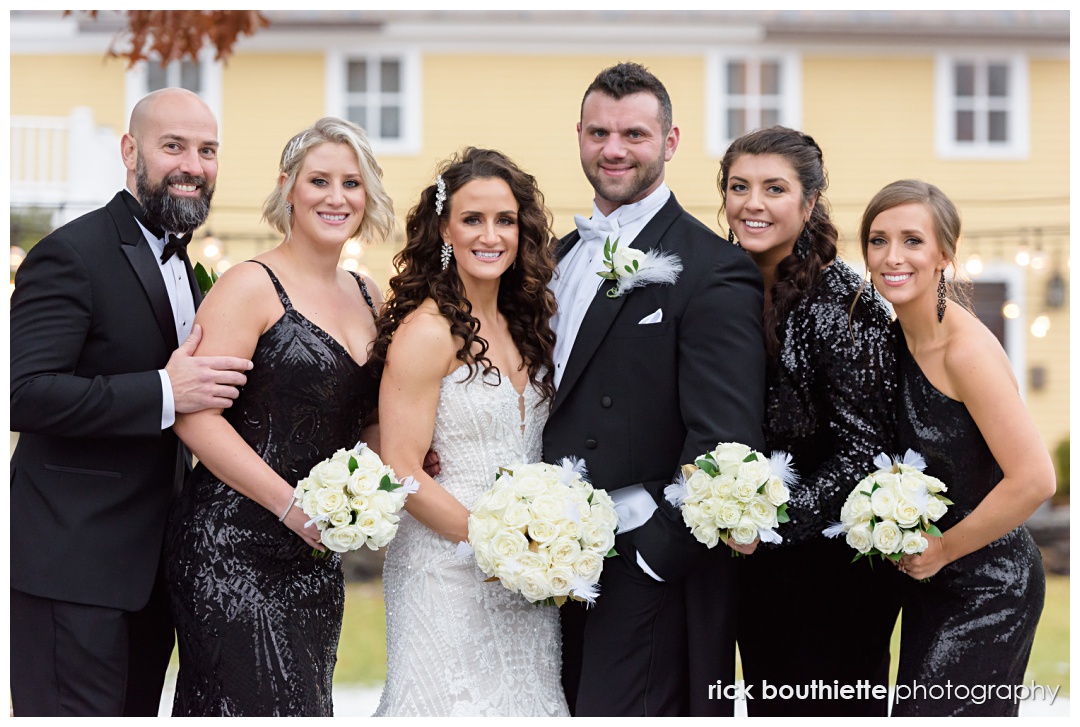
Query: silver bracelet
pixel 292 501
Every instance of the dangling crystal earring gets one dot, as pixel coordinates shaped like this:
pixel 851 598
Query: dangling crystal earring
pixel 941 297
pixel 731 238
pixel 445 253
pixel 802 244
pixel 288 209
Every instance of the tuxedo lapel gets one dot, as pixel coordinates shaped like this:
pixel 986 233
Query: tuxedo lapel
pixel 565 245
pixel 141 257
pixel 603 310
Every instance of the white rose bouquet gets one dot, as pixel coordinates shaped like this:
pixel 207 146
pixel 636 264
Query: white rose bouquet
pixel 734 492
pixel 543 531
pixel 890 511
pixel 353 498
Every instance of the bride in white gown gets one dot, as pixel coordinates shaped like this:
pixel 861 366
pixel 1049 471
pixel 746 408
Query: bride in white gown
pixel 465 344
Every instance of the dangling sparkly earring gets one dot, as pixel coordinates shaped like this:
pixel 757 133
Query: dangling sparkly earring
pixel 731 238
pixel 288 209
pixel 445 253
pixel 802 244
pixel 941 297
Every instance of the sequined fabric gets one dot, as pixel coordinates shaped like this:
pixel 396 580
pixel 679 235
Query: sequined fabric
pixel 807 614
pixel 974 622
pixel 457 646
pixel 257 616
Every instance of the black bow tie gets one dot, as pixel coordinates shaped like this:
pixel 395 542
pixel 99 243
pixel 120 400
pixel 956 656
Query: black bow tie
pixel 174 244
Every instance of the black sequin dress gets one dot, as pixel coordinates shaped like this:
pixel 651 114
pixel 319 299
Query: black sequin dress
pixel 257 616
pixel 809 619
pixel 973 623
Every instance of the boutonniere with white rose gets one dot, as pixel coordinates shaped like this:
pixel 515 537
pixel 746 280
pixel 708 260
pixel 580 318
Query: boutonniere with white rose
pixel 353 498
pixel 891 511
pixel 632 268
pixel 543 531
pixel 734 492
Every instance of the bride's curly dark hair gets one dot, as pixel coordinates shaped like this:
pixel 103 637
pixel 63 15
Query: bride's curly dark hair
pixel 524 298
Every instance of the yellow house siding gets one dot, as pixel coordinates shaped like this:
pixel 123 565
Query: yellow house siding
pixel 51 85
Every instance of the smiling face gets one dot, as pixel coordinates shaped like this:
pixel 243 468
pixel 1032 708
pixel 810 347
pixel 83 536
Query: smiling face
pixel 482 227
pixel 328 195
pixel 623 147
pixel 904 256
pixel 764 205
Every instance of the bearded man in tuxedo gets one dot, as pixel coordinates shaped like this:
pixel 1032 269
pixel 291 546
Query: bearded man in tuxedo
pixel 97 378
pixel 647 381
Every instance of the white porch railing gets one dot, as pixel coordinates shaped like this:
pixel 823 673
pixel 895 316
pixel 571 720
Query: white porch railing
pixel 66 163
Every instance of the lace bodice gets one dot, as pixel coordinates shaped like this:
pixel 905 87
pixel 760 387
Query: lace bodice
pixel 457 645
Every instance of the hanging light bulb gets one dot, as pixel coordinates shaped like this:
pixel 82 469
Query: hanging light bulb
pixel 1010 310
pixel 1040 326
pixel 974 265
pixel 1023 255
pixel 211 247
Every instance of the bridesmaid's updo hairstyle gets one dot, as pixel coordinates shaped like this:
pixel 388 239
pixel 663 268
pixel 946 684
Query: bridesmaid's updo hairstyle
pixel 794 275
pixel 524 298
pixel 378 219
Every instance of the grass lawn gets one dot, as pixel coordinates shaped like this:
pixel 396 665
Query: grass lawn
pixel 362 651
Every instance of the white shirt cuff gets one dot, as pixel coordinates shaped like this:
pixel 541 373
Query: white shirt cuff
pixel 645 567
pixel 168 406
pixel 634 506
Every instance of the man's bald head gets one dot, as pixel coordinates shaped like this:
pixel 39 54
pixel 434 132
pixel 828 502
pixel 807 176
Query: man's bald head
pixel 164 103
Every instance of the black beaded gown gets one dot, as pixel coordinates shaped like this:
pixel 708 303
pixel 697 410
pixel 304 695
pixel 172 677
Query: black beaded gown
pixel 257 615
pixel 973 623
pixel 810 621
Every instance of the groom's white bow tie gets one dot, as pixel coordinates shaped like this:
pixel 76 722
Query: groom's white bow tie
pixel 596 230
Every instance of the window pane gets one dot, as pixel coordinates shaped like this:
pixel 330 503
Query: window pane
pixel 998 74
pixel 770 117
pixel 357 77
pixel 736 123
pixel 357 115
pixel 190 76
pixel 390 122
pixel 155 75
pixel 999 126
pixel 390 77
pixel 736 78
pixel 965 126
pixel 965 79
pixel 770 78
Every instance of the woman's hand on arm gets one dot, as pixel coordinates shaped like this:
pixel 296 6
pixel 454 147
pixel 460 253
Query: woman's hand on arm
pixel 420 355
pixel 979 373
pixel 240 307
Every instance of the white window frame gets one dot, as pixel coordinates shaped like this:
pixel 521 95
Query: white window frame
pixel 337 61
pixel 210 78
pixel 1017 106
pixel 716 102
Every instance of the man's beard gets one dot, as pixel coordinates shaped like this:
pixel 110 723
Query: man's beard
pixel 644 176
pixel 162 209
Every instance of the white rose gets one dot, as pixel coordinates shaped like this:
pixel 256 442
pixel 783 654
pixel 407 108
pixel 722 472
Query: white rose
pixel 775 491
pixel 368 461
pixel 499 498
pixel 626 257
pixel 887 537
pixel 383 501
pixel 534 584
pixel 707 533
pixel 860 538
pixel 888 480
pixel 564 551
pixel 698 485
pixel 935 508
pixel 914 542
pixel 883 502
pixel 542 531
pixel 729 514
pixel 559 578
pixel 744 489
pixel 340 517
pixel 730 455
pixel 570 529
pixel 363 483
pixel 745 532
pixel 599 539
pixel 384 533
pixel 368 522
pixel 327 501
pixel 360 503
pixel 762 513
pixel 529 486
pixel 934 484
pixel 343 539
pixel 517 515
pixel 508 544
pixel 332 474
pixel 860 509
pixel 722 487
pixel 907 513
pixel 603 514
pixel 483 556
pixel 588 565
pixel 548 507
pixel 599 497
pixel 755 471
pixel 693 514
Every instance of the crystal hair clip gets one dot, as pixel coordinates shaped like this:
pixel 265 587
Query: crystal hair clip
pixel 440 194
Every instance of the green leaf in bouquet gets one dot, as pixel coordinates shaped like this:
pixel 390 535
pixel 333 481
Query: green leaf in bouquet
pixel 752 457
pixel 781 514
pixel 860 555
pixel 944 500
pixel 387 484
pixel 894 556
pixel 353 464
pixel 706 465
pixel 611 553
pixel 932 529
pixel 875 488
pixel 204 278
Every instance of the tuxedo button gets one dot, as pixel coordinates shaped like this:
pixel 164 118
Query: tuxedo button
pixel 606 402
pixel 590 444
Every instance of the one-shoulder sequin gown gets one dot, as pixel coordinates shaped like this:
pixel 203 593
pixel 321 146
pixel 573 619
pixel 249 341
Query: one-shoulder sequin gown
pixel 972 625
pixel 257 616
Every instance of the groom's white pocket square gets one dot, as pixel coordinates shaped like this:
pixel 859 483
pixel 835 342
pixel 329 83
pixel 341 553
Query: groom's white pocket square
pixel 655 317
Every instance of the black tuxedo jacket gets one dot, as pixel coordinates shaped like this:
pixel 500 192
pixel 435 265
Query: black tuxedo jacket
pixel 93 474
pixel 636 401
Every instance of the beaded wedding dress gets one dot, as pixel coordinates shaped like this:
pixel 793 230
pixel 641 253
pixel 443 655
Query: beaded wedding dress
pixel 457 645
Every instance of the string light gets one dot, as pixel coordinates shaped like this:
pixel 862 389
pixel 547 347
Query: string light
pixel 1010 310
pixel 1040 326
pixel 974 265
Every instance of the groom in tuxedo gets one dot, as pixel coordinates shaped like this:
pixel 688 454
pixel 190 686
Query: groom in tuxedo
pixel 97 378
pixel 646 382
